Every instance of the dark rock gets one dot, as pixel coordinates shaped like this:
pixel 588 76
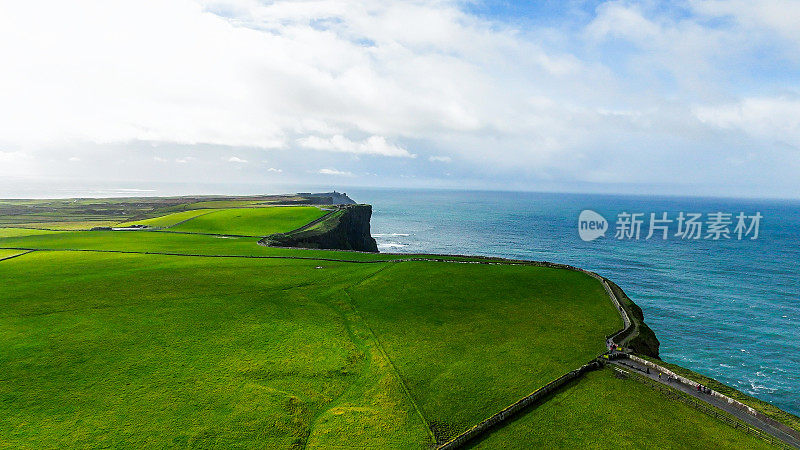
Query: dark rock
pixel 643 340
pixel 346 228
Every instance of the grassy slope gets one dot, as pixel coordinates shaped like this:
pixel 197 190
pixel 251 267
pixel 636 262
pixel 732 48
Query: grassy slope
pixel 147 241
pixel 471 339
pixel 169 219
pixel 7 253
pixel 17 232
pixel 69 226
pixel 132 350
pixel 244 350
pixel 602 411
pixel 218 204
pixel 252 221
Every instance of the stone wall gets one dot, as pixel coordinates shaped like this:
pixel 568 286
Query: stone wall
pixel 729 400
pixel 516 408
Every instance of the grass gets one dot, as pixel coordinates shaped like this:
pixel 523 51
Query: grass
pixel 190 244
pixel 132 350
pixel 252 221
pixel 169 219
pixel 69 226
pixel 8 253
pixel 767 408
pixel 470 340
pixel 221 204
pixel 148 241
pixel 275 353
pixel 144 350
pixel 602 411
pixel 19 232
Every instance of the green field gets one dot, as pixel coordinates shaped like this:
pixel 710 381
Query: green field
pixel 165 242
pixel 252 221
pixel 169 219
pixel 4 253
pixel 767 408
pixel 69 226
pixel 17 232
pixel 485 335
pixel 235 349
pixel 602 411
pixel 104 343
pixel 145 350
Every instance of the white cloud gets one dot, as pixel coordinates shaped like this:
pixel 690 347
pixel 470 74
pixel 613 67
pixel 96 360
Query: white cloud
pixel 762 118
pixel 374 145
pixel 639 86
pixel 185 159
pixel 266 75
pixel 335 172
pixel 445 159
pixel 780 17
pixel 160 159
pixel 272 169
pixel 74 159
pixel 236 159
pixel 13 157
pixel 15 163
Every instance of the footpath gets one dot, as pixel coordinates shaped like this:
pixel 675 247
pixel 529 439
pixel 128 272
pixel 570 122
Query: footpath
pixel 751 417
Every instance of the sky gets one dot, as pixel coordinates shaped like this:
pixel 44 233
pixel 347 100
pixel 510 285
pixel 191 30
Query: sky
pixel 694 97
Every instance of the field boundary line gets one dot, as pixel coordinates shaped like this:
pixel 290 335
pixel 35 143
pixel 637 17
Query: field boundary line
pixel 358 343
pixel 17 255
pixel 511 411
pixel 710 410
pixel 392 365
pixel 186 220
pixel 770 426
pixel 312 223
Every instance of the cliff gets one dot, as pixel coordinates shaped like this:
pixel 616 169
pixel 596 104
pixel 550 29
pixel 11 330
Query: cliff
pixel 346 228
pixel 327 198
pixel 642 339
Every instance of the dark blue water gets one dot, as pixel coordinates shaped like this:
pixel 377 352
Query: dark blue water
pixel 729 309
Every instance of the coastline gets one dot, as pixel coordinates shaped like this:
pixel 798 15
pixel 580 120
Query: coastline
pixel 636 340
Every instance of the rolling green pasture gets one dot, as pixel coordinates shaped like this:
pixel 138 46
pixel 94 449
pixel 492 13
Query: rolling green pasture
pixel 6 253
pixel 470 340
pixel 69 226
pixel 252 221
pixel 179 243
pixel 169 219
pixel 162 242
pixel 148 350
pixel 134 350
pixel 602 411
pixel 18 232
pixel 221 204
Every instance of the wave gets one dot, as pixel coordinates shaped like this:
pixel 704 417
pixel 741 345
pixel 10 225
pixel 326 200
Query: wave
pixel 391 245
pixel 390 235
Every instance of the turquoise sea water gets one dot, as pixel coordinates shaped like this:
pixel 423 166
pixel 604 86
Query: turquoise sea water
pixel 729 309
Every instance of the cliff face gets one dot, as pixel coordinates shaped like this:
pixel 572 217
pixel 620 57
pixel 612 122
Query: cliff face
pixel 643 340
pixel 344 229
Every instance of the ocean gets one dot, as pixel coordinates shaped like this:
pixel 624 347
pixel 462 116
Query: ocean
pixel 726 308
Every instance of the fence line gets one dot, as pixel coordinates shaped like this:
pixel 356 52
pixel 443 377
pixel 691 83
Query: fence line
pixel 731 401
pixel 517 407
pixel 711 411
